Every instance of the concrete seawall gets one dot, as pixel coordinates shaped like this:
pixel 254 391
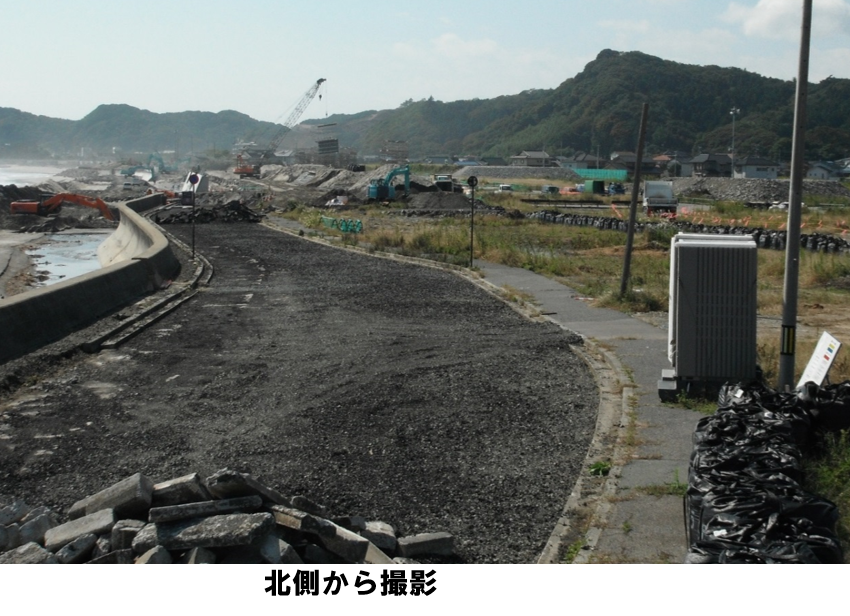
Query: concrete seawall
pixel 135 261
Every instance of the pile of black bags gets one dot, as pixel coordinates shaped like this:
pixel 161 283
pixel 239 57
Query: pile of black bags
pixel 745 503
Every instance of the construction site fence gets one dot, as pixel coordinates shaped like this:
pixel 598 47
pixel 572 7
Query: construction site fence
pixel 610 175
pixel 346 225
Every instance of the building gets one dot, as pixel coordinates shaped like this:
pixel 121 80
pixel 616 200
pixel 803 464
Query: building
pixel 581 160
pixel 531 159
pixel 824 170
pixel 712 165
pixel 756 167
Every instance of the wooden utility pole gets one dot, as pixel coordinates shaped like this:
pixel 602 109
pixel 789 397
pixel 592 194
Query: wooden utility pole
pixel 630 239
pixel 788 342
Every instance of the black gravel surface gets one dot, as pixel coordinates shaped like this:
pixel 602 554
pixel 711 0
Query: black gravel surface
pixel 383 389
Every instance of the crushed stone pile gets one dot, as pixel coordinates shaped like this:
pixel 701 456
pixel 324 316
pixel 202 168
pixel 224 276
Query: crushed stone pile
pixel 228 518
pixel 753 190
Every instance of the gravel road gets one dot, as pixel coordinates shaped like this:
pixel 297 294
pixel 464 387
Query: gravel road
pixel 378 388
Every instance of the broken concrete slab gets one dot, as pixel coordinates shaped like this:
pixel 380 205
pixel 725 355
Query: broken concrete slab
pixel 78 550
pixel 13 512
pixel 124 532
pixel 317 555
pixel 186 489
pixel 28 554
pixel 13 536
pixel 353 548
pixel 102 547
pixel 38 512
pixel 298 520
pixel 34 529
pixel 130 498
pixel 382 535
pixel 96 523
pixel 155 556
pixel 435 544
pixel 213 532
pixel 376 556
pixel 242 504
pixel 310 506
pixel 355 523
pixel 289 555
pixel 198 556
pixel 115 557
pixel 230 484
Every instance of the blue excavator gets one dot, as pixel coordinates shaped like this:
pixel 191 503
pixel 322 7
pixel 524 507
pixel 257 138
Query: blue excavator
pixel 382 189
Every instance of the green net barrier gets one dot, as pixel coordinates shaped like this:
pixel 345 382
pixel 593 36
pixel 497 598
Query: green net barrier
pixel 346 225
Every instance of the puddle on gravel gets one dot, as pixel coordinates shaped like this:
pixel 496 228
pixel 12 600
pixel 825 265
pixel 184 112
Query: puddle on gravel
pixel 66 255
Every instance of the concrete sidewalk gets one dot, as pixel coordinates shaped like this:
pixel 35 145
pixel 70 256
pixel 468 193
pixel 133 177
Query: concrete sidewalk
pixel 636 516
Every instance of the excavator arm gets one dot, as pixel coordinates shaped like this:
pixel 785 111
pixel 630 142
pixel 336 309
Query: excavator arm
pixel 53 203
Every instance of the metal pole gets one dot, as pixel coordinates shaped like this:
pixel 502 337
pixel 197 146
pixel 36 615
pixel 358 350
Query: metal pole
pixel 630 238
pixel 735 111
pixel 193 221
pixel 471 225
pixel 788 341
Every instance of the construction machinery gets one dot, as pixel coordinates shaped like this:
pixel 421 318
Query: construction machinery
pixel 382 189
pixel 260 156
pixel 444 182
pixel 49 204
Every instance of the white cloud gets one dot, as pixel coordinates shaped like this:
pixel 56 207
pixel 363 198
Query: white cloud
pixel 454 47
pixel 782 19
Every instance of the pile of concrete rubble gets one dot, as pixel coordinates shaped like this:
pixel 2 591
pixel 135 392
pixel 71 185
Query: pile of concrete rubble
pixel 752 190
pixel 232 211
pixel 229 518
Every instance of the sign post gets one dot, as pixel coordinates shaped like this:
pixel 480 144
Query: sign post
pixel 472 181
pixel 821 361
pixel 193 180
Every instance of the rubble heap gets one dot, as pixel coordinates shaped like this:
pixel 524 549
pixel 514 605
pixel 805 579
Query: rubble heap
pixel 752 190
pixel 229 518
pixel 232 211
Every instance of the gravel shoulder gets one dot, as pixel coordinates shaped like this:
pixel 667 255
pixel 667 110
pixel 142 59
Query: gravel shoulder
pixel 378 388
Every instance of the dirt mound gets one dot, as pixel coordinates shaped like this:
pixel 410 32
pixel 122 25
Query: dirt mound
pixel 439 201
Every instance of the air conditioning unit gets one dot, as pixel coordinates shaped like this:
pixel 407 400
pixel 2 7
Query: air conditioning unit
pixel 712 313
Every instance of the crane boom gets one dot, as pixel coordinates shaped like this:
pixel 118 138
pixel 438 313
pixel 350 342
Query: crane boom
pixel 296 113
pixel 246 169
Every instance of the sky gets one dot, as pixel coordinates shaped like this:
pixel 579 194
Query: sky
pixel 64 58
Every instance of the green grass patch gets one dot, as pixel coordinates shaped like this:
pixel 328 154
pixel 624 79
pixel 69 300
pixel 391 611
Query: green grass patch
pixel 828 475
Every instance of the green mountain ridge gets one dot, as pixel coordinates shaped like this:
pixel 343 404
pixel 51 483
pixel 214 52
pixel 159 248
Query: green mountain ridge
pixel 597 110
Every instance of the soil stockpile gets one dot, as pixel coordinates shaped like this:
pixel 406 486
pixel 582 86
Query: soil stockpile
pixel 377 388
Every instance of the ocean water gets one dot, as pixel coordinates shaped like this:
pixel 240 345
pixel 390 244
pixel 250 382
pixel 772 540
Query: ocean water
pixel 22 175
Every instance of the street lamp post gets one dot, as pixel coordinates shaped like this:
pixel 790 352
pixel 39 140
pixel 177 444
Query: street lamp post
pixel 733 112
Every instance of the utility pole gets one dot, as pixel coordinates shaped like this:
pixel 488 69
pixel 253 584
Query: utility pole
pixel 630 239
pixel 788 340
pixel 734 112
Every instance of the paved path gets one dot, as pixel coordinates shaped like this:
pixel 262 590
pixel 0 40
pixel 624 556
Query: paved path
pixel 641 518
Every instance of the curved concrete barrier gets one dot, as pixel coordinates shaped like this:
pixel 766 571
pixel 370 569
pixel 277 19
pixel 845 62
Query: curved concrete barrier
pixel 136 260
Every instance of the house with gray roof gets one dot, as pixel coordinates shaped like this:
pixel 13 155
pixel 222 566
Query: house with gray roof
pixel 756 167
pixel 531 158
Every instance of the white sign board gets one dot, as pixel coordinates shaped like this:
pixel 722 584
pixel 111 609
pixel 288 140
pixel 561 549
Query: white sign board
pixel 821 361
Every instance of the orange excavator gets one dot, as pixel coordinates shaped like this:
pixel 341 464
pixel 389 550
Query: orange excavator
pixel 52 203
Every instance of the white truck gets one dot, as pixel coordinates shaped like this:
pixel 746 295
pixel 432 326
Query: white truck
pixel 658 198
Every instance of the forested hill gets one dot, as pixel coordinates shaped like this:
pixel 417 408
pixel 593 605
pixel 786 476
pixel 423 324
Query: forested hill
pixel 689 110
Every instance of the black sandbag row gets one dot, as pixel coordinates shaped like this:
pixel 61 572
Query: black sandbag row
pixel 764 238
pixel 745 502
